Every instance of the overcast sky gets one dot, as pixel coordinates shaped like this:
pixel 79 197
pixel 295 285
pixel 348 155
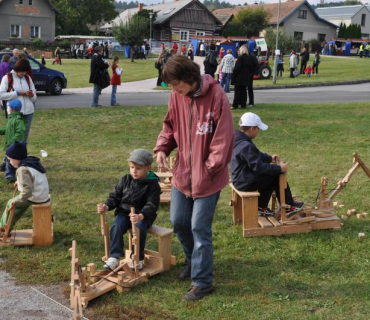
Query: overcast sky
pixel 149 2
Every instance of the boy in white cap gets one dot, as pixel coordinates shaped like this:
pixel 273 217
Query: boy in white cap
pixel 139 188
pixel 15 130
pixel 253 170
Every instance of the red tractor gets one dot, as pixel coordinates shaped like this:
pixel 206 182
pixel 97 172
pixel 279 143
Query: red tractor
pixel 263 60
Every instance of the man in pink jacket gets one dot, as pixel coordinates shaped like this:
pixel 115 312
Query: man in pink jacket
pixel 199 124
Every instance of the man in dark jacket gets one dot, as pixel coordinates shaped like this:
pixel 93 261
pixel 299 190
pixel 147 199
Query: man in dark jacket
pixel 305 56
pixel 139 189
pixel 99 75
pixel 253 170
pixel 210 62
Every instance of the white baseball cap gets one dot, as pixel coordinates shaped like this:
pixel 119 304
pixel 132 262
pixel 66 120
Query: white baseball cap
pixel 250 119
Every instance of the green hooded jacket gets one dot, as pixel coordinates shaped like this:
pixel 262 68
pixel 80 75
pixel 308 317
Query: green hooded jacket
pixel 15 129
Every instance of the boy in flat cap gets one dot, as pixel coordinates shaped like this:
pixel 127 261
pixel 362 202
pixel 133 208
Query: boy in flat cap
pixel 139 188
pixel 253 170
pixel 15 130
pixel 31 181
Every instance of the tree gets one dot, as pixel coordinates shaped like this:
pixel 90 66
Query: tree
pixel 253 20
pixel 145 14
pixel 132 32
pixel 286 42
pixel 76 16
pixel 340 31
pixel 352 2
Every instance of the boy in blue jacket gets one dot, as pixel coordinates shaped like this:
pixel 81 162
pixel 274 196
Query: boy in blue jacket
pixel 253 170
pixel 140 188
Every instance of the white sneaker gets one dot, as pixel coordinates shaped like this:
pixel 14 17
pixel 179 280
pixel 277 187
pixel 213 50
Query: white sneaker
pixel 111 264
pixel 141 264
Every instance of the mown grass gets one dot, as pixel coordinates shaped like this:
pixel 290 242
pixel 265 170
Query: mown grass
pixel 320 275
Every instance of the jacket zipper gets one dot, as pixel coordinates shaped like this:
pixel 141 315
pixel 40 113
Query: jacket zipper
pixel 190 152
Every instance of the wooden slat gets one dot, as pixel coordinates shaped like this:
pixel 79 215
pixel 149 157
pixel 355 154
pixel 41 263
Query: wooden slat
pixel 159 231
pixel 264 223
pixel 274 221
pixel 243 193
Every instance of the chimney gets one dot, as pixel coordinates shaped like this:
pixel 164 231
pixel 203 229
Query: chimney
pixel 141 6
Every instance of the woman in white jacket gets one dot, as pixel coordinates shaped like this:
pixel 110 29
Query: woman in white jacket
pixel 21 88
pixel 293 62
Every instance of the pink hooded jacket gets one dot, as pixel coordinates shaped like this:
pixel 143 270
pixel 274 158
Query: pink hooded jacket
pixel 202 129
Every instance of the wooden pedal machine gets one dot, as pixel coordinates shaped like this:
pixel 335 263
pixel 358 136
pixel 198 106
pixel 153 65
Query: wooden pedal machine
pixel 40 235
pixel 322 216
pixel 89 283
pixel 165 181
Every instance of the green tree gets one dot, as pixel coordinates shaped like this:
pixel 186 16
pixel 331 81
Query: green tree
pixel 340 31
pixel 233 29
pixel 253 20
pixel 76 16
pixel 352 2
pixel 132 32
pixel 286 42
pixel 145 14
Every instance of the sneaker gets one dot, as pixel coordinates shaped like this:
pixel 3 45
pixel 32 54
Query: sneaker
pixel 265 212
pixel 2 167
pixel 251 106
pixel 294 208
pixel 115 104
pixel 185 272
pixel 111 264
pixel 196 293
pixel 141 265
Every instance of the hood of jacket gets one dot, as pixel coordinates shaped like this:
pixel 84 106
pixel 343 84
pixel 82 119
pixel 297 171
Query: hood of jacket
pixel 33 162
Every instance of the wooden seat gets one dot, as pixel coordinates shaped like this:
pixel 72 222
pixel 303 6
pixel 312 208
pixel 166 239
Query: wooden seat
pixel 42 225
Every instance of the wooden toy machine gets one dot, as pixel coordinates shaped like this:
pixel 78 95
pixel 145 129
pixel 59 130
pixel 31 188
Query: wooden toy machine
pixel 165 181
pixel 321 216
pixel 89 283
pixel 40 235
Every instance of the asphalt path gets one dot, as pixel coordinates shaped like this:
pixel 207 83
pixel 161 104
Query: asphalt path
pixel 304 95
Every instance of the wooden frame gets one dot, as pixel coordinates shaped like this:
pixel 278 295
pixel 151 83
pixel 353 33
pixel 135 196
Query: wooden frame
pixel 88 283
pixel 165 181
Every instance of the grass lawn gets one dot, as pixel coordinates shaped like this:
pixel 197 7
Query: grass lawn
pixel 77 71
pixel 320 275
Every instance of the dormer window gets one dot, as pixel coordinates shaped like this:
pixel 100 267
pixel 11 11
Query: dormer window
pixel 302 14
pixel 20 1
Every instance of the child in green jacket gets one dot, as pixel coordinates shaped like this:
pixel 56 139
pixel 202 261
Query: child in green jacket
pixel 15 131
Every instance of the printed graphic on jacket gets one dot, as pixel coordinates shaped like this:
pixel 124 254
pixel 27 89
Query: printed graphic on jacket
pixel 206 126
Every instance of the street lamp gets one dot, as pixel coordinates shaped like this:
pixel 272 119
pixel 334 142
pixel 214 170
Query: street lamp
pixel 150 32
pixel 277 43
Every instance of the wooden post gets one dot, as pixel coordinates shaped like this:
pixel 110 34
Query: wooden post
pixel 7 226
pixel 105 233
pixel 42 225
pixel 282 187
pixel 136 243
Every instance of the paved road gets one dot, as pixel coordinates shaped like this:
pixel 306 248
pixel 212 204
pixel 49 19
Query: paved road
pixel 82 98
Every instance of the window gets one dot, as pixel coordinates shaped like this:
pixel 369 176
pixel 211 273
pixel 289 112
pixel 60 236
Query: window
pixel 30 2
pixel 363 20
pixel 184 35
pixel 298 36
pixel 20 1
pixel 302 14
pixel 321 37
pixel 15 31
pixel 163 34
pixel 200 33
pixel 35 32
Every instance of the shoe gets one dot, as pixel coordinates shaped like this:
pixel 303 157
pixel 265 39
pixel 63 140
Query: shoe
pixel 2 167
pixel 294 208
pixel 141 265
pixel 115 104
pixel 10 179
pixel 111 264
pixel 251 106
pixel 185 272
pixel 195 293
pixel 265 212
pixel 234 108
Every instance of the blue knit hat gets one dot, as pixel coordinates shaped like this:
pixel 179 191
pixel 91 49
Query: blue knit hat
pixel 15 104
pixel 17 150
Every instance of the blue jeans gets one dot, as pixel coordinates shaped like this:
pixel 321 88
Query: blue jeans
pixel 120 226
pixel 9 170
pixel 192 224
pixel 113 96
pixel 28 118
pixel 225 81
pixel 96 94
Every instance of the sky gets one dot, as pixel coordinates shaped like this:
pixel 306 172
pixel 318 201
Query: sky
pixel 149 2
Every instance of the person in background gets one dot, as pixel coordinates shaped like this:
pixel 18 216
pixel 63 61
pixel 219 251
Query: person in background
pixel 106 50
pixel 293 63
pixel 308 71
pixel 14 58
pixel 116 80
pixel 5 67
pixel 280 65
pixel 316 62
pixel 305 56
pixel 210 62
pixel 159 64
pixel 222 53
pixel 175 47
pixel 58 58
pixel 191 53
pixel 202 50
pixel 227 67
pixel 43 62
pixel 25 51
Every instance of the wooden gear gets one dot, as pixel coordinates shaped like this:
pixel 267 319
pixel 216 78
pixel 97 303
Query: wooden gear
pixel 40 235
pixel 245 207
pixel 121 278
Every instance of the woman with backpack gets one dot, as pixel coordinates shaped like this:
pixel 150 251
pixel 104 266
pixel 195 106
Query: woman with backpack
pixel 210 62
pixel 18 85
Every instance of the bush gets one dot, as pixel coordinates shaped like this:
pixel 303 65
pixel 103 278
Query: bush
pixel 286 42
pixel 38 43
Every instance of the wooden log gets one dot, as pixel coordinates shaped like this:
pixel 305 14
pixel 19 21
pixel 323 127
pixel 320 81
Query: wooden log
pixel 359 216
pixel 341 206
pixel 365 215
pixel 361 235
pixel 344 217
pixel 351 212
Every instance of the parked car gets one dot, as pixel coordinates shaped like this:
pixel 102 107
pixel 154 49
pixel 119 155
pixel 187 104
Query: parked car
pixel 45 79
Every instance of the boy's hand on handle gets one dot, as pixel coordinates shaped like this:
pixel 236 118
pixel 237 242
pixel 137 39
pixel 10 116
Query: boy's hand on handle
pixel 162 160
pixel 283 166
pixel 12 205
pixel 102 208
pixel 135 218
pixel 275 158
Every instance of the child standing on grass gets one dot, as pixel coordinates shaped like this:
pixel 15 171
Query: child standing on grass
pixel 316 62
pixel 253 170
pixel 15 130
pixel 31 181
pixel 308 71
pixel 116 80
pixel 140 189
pixel 280 65
pixel 43 62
